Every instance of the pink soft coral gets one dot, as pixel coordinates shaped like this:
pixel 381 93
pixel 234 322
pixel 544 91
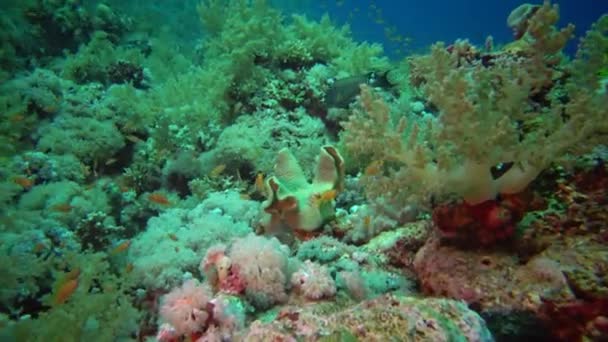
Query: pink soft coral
pixel 187 308
pixel 221 273
pixel 313 281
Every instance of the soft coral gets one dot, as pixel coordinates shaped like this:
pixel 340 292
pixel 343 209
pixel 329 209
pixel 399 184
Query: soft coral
pixel 187 308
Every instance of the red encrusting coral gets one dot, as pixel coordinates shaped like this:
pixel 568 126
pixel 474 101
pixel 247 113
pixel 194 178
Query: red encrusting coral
pixel 576 320
pixel 485 223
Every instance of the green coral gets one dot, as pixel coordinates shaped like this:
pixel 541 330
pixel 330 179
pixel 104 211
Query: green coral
pixel 88 139
pixel 99 308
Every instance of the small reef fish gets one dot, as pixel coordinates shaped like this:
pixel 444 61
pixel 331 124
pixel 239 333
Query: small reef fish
pixel 121 247
pixel 111 161
pixel 16 118
pixel 62 207
pixel 159 198
pixel 259 182
pixel 122 184
pixel 66 287
pixel 374 168
pixel 324 197
pixel 172 236
pixel 24 182
pixel 39 247
pixel 134 139
pixel 217 171
pixel 367 221
pixel 345 90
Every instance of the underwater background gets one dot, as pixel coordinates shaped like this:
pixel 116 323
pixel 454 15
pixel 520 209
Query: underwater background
pixel 258 170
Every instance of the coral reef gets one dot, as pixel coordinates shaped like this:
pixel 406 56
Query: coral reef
pixel 234 171
pixel 406 319
pixel 498 123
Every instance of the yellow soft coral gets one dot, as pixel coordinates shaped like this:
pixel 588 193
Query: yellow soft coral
pixel 295 203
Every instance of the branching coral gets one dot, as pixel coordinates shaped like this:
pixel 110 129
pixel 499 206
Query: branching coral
pixel 502 118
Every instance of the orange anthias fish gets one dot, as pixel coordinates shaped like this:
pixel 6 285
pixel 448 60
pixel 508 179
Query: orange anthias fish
pixel 259 182
pixel 25 182
pixel 16 118
pixel 367 220
pixel 159 198
pixel 66 287
pixel 62 207
pixel 374 168
pixel 39 247
pixel 324 197
pixel 121 247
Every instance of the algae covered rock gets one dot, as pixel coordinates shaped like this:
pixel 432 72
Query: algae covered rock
pixel 382 319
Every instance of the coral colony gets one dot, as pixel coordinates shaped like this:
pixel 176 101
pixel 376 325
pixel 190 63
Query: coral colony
pixel 273 179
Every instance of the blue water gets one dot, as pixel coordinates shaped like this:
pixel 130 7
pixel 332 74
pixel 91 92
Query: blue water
pixel 422 22
pixel 426 22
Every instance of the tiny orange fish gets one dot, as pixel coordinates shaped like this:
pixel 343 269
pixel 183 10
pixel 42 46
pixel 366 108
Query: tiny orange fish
pixel 374 168
pixel 121 247
pixel 245 196
pixel 65 291
pixel 324 197
pixel 25 182
pixel 122 185
pixel 259 182
pixel 17 118
pixel 39 247
pixel 66 287
pixel 217 170
pixel 367 220
pixel 172 236
pixel 329 195
pixel 159 198
pixel 62 207
pixel 129 267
